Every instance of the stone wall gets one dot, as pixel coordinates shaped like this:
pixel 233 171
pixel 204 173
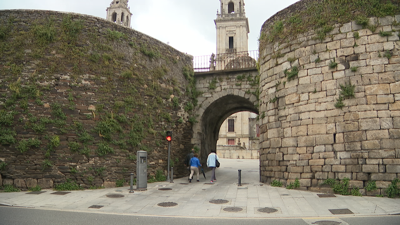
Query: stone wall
pixel 303 134
pixel 80 96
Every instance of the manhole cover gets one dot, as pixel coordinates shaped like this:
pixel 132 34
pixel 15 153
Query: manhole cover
pixel 115 196
pixel 35 192
pixel 340 211
pixel 233 209
pixel 60 193
pixel 326 195
pixel 167 204
pixel 165 189
pixel 95 207
pixel 267 210
pixel 219 201
pixel 327 222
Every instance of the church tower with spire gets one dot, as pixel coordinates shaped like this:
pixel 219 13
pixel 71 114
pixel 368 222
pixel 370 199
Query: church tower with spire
pixel 232 27
pixel 119 13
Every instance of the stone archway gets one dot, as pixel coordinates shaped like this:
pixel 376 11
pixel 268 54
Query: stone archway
pixel 214 116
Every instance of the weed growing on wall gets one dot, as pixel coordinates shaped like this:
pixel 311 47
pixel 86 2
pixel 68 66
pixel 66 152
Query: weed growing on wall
pixel 393 190
pixel 276 183
pixel 347 91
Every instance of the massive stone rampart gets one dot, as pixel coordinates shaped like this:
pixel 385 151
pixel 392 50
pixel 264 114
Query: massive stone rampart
pixel 307 133
pixel 80 95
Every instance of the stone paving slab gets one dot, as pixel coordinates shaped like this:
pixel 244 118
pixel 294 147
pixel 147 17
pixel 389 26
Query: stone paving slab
pixel 193 200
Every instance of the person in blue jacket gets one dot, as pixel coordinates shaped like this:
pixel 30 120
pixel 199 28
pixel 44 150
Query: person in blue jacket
pixel 211 163
pixel 194 167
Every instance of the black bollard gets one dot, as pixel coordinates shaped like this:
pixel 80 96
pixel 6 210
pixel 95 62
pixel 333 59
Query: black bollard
pixel 240 178
pixel 131 191
pixel 172 175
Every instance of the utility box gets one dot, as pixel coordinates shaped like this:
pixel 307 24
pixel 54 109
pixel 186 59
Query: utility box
pixel 141 170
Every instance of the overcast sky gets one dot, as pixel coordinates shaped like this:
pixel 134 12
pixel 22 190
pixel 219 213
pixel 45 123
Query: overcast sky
pixel 187 25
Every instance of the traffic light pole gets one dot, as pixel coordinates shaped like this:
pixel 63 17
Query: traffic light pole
pixel 169 154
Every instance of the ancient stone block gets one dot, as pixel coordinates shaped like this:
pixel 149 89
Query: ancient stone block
pixel 321 175
pixel 45 183
pixel 332 161
pixel 316 162
pixel 374 144
pixel 338 168
pixel 295 169
pixel 324 139
pixel 385 99
pixel 378 89
pixel 382 154
pixel 377 134
pixel 383 176
pixel 341 176
pixel 353 168
pixel 382 184
pixel 353 146
pixel 20 183
pixel 370 124
pixel 326 155
pixel 289 142
pixel 361 176
pixel 327 168
pixel 354 136
pixel 8 182
pixel 30 183
pixel 306 141
pixel 393 168
pixel 356 183
pixel 370 168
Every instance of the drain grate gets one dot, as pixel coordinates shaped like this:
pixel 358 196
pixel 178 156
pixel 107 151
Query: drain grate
pixel 115 196
pixel 96 207
pixel 326 195
pixel 35 192
pixel 167 204
pixel 326 222
pixel 219 201
pixel 233 209
pixel 267 210
pixel 60 193
pixel 340 211
pixel 165 189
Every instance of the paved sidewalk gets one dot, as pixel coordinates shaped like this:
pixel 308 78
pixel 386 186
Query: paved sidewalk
pixel 251 200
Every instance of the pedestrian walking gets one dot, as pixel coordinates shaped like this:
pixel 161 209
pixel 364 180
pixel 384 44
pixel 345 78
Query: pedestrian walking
pixel 187 161
pixel 194 167
pixel 212 163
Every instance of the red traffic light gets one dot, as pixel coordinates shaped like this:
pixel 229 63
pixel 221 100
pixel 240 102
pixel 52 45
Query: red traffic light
pixel 169 136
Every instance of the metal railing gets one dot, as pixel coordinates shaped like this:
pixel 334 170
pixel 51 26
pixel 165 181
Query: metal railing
pixel 226 61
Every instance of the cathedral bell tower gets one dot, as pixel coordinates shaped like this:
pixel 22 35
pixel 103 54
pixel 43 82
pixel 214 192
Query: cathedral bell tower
pixel 119 13
pixel 232 27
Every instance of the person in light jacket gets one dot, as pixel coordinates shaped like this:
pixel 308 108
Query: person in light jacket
pixel 212 157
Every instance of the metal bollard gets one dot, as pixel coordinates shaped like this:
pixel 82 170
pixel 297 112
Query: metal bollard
pixel 240 178
pixel 131 191
pixel 172 175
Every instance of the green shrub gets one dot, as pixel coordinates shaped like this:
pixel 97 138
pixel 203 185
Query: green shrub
pixel 45 33
pixel 295 185
pixel 67 186
pixel 71 28
pixel 332 64
pixel 115 35
pixel 24 145
pixel 392 191
pixel 213 84
pixel 292 74
pixel 371 186
pixel 3 165
pixel 46 164
pixel 103 149
pixel 74 146
pixel 10 188
pixel 7 136
pixel 276 183
pixel 37 188
pixel 356 192
pixel 120 183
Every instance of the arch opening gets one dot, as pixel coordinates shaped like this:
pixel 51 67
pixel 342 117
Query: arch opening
pixel 114 17
pixel 231 7
pixel 214 116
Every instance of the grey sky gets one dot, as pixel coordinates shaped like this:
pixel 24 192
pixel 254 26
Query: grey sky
pixel 186 25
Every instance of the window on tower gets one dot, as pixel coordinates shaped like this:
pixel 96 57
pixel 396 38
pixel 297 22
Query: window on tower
pixel 122 17
pixel 114 17
pixel 230 42
pixel 231 7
